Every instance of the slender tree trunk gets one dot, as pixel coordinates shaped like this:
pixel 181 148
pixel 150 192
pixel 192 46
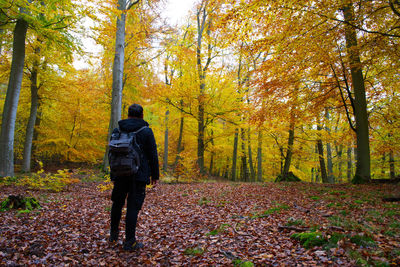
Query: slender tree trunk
pixel 289 151
pixel 11 101
pixel 245 175
pixel 363 169
pixel 331 178
pixel 339 150
pixel 203 23
pixel 383 165
pixel 259 156
pixel 349 164
pixel 234 156
pixel 26 162
pixel 391 165
pixel 179 145
pixel 320 147
pixel 117 74
pixel 165 163
pixel 312 174
pixel 252 171
pixel 210 170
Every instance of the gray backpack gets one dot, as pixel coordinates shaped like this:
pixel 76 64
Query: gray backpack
pixel 124 154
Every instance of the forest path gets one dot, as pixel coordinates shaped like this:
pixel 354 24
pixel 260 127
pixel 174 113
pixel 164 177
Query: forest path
pixel 205 224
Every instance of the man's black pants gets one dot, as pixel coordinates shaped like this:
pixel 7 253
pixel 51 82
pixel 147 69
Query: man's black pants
pixel 135 193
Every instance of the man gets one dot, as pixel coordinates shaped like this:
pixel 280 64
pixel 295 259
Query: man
pixel 134 188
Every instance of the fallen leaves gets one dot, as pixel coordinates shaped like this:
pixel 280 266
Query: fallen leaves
pixel 189 224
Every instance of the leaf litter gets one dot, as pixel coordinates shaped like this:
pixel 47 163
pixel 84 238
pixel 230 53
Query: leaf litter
pixel 202 224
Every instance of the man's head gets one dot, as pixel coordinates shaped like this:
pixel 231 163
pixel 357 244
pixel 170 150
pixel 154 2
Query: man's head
pixel 135 111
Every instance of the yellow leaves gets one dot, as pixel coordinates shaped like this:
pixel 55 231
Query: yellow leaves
pixel 48 181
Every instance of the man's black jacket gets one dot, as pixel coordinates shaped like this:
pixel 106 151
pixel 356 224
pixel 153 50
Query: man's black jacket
pixel 146 141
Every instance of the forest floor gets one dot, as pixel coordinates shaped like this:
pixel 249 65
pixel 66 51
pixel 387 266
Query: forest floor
pixel 204 224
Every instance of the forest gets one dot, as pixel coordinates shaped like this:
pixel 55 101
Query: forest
pixel 243 96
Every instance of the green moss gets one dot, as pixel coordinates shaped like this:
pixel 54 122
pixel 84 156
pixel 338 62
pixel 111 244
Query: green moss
pixel 194 251
pixel 290 178
pixel 292 221
pixel 310 239
pixel 359 180
pixel 363 240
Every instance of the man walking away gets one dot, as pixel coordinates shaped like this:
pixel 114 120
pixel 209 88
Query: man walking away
pixel 133 189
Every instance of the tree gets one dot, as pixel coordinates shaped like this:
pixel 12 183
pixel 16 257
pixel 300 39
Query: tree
pixel 118 68
pixel 12 97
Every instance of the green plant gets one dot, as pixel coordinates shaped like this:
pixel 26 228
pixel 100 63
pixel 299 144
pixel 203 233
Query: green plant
pixel 363 240
pixel 315 198
pixel 310 239
pixel 48 181
pixel 203 201
pixel 292 221
pixel 240 263
pixel 270 211
pixel 196 251
pixel 219 230
pixel 24 204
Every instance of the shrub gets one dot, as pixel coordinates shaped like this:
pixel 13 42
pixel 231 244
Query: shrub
pixel 48 181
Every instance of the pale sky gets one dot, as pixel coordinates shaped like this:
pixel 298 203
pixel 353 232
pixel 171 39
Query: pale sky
pixel 177 10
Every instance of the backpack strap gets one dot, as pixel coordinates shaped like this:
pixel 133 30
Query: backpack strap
pixel 140 129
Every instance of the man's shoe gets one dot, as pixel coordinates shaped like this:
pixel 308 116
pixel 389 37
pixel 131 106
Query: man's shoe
pixel 132 245
pixel 113 237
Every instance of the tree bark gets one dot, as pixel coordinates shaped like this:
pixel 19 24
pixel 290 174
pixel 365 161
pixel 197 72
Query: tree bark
pixel 11 101
pixel 243 157
pixel 252 171
pixel 117 74
pixel 203 22
pixel 363 168
pixel 289 151
pixel 320 147
pixel 391 165
pixel 234 156
pixel 179 145
pixel 165 163
pixel 26 162
pixel 210 170
pixel 259 157
pixel 339 150
pixel 349 164
pixel 331 178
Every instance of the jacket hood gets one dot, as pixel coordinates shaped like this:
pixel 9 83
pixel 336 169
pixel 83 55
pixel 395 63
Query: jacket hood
pixel 132 124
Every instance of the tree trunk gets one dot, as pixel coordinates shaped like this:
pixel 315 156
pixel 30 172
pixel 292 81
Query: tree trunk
pixel 210 170
pixel 234 156
pixel 363 169
pixel 331 178
pixel 26 162
pixel 117 74
pixel 349 164
pixel 259 157
pixel 339 150
pixel 165 163
pixel 252 171
pixel 289 151
pixel 391 165
pixel 203 23
pixel 11 101
pixel 179 145
pixel 245 175
pixel 383 165
pixel 324 175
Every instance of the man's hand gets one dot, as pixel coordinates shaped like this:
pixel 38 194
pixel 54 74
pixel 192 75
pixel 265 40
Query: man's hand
pixel 153 182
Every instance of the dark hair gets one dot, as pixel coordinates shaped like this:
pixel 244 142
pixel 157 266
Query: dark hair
pixel 135 110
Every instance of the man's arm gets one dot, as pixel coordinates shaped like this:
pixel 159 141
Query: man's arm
pixel 153 158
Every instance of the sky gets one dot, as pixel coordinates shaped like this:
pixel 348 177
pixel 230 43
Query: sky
pixel 175 12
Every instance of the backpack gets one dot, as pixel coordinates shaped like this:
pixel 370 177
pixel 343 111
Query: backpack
pixel 124 154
